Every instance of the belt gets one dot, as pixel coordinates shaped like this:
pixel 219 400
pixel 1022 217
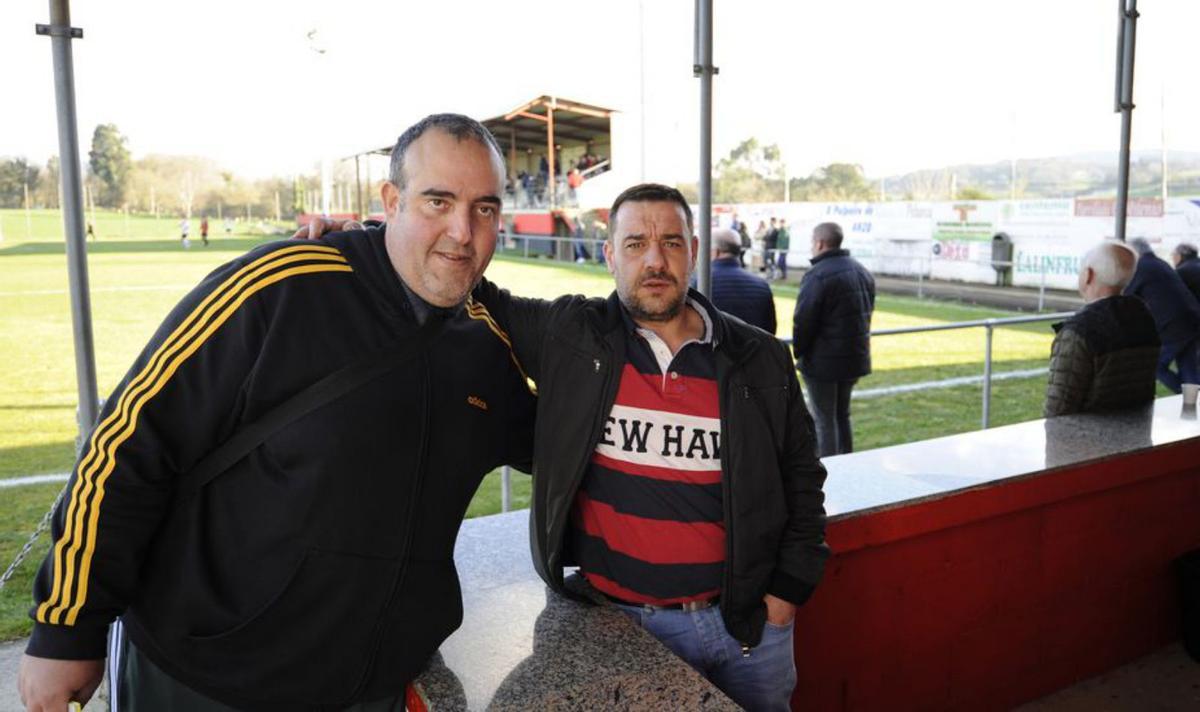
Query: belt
pixel 688 606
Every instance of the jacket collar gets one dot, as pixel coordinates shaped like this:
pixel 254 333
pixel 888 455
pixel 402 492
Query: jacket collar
pixel 839 252
pixel 726 339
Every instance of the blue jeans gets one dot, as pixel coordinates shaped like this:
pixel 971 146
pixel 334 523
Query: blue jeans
pixel 764 680
pixel 1184 356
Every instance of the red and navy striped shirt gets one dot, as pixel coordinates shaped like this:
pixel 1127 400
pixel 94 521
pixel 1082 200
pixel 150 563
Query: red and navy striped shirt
pixel 647 523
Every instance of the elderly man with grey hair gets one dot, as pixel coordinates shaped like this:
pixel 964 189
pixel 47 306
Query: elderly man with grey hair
pixel 1104 357
pixel 734 290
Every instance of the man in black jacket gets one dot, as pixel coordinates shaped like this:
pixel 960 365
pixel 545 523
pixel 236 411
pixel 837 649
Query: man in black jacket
pixel 734 290
pixel 831 335
pixel 1103 357
pixel 1187 266
pixel 673 461
pixel 316 572
pixel 1176 315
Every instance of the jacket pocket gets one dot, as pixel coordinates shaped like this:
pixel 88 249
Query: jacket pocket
pixel 311 643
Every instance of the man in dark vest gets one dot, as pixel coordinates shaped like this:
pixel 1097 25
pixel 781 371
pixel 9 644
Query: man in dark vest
pixel 1104 357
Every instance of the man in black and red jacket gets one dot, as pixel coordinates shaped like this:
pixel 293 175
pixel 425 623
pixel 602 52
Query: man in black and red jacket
pixel 674 462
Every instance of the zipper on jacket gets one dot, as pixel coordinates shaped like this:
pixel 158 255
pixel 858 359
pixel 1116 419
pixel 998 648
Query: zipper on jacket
pixel 557 531
pixel 402 573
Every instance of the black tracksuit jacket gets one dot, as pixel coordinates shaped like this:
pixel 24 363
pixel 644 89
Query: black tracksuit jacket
pixel 318 571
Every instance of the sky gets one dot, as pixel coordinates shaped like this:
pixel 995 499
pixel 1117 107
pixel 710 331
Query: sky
pixel 892 86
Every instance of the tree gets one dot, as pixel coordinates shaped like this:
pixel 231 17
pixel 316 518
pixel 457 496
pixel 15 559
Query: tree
pixel 48 188
pixel 751 173
pixel 834 182
pixel 971 192
pixel 16 175
pixel 110 164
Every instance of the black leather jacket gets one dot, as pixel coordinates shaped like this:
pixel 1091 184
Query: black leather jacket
pixel 574 349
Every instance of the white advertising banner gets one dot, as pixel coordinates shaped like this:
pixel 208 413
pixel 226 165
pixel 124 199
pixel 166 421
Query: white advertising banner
pixel 953 240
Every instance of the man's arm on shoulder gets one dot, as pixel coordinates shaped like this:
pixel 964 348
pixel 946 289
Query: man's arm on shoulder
pixel 1071 373
pixel 802 549
pixel 527 321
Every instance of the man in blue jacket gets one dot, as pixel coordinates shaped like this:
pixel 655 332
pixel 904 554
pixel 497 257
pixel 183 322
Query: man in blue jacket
pixel 1187 266
pixel 831 335
pixel 1176 315
pixel 734 290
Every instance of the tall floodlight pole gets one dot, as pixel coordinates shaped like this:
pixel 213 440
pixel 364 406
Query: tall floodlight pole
pixel 1126 36
pixel 702 67
pixel 61 33
pixel 642 87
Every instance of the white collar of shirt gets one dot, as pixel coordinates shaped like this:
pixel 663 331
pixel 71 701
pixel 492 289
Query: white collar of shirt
pixel 662 352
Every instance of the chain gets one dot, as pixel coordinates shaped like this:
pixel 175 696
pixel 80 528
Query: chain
pixel 41 527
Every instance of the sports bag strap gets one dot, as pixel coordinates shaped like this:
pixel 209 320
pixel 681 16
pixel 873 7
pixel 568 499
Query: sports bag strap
pixel 336 384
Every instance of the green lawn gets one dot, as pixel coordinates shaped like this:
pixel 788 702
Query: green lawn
pixel 135 281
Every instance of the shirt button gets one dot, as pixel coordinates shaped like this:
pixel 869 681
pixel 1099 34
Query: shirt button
pixel 674 375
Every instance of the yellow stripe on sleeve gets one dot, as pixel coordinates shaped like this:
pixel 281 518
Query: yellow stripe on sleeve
pixel 122 421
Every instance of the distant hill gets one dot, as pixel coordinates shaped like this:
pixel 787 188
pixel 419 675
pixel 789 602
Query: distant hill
pixel 1077 175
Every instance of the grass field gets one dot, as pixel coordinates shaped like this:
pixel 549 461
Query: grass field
pixel 135 280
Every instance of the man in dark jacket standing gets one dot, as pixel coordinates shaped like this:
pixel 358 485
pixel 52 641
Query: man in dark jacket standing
pixel 673 462
pixel 1103 357
pixel 1187 266
pixel 1176 315
pixel 831 335
pixel 736 291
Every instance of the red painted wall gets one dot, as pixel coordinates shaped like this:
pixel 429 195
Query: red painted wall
pixel 1003 594
pixel 533 224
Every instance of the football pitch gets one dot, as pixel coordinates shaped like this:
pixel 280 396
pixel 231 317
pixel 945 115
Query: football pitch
pixel 138 270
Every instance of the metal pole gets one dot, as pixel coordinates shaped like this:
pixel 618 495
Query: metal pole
pixel 1042 289
pixel 358 194
pixel 61 33
pixel 550 182
pixel 505 488
pixel 1126 37
pixel 703 68
pixel 987 376
pixel 28 216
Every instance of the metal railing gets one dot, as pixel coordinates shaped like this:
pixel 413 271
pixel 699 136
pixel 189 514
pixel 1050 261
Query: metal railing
pixel 989 325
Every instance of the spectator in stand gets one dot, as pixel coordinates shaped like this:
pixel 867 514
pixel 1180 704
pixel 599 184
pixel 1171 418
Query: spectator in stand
pixel 735 291
pixel 1176 315
pixel 769 241
pixel 574 179
pixel 1187 266
pixel 782 238
pixel 1104 357
pixel 831 335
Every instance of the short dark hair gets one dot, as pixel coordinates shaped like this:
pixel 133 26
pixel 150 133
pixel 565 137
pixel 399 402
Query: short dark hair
pixel 1186 251
pixel 648 193
pixel 1140 245
pixel 830 233
pixel 459 126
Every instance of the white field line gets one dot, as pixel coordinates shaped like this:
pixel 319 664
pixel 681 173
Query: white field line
pixel 143 288
pixel 947 383
pixel 33 480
